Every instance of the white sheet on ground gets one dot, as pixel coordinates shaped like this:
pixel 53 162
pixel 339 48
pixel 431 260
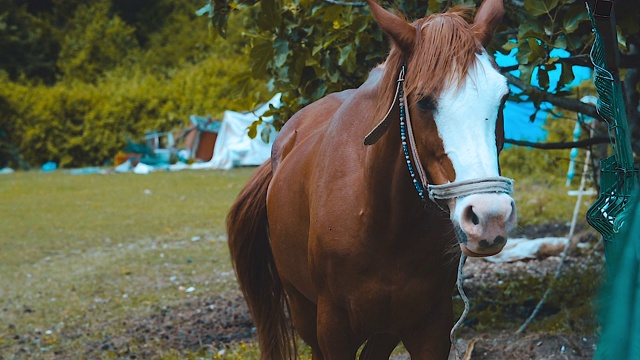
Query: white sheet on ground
pixel 521 249
pixel 143 169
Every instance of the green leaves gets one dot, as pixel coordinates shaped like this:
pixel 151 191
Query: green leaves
pixel 543 78
pixel 347 58
pixel 566 76
pixel 573 17
pixel 542 27
pixel 269 18
pixel 540 7
pixel 253 129
pixel 309 51
pixel 261 55
pixel 83 124
pixel 265 132
pixel 538 52
pixel 281 51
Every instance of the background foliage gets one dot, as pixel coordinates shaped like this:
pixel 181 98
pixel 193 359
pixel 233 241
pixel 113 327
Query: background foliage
pixel 77 77
pixel 119 68
pixel 307 48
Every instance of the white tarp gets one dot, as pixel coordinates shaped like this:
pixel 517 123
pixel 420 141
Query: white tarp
pixel 234 147
pixel 525 249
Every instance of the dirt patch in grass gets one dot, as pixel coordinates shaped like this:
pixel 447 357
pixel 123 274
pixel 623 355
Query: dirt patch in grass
pixel 205 326
pixel 199 326
pixel 502 296
pixel 506 346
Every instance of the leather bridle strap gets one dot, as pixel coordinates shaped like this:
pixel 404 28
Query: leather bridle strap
pixel 374 135
pixel 497 184
pixel 411 140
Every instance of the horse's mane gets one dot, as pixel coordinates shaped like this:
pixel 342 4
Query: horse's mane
pixel 445 49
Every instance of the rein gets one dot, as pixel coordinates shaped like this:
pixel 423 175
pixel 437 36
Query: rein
pixel 436 193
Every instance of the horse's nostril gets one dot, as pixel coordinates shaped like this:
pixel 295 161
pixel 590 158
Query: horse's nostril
pixel 471 215
pixel 474 218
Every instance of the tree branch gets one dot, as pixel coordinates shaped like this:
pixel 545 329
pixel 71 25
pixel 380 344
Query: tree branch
pixel 563 102
pixel 507 32
pixel 561 145
pixel 345 3
pixel 506 69
pixel 580 60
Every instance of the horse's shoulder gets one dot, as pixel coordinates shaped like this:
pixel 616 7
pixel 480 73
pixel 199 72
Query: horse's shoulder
pixel 307 122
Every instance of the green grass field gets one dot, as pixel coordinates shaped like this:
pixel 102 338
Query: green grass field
pixel 81 256
pixel 84 251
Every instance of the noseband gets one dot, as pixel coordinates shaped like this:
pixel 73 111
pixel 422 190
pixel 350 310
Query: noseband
pixel 436 193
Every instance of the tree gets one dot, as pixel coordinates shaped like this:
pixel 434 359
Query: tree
pixel 308 48
pixel 95 43
pixel 26 43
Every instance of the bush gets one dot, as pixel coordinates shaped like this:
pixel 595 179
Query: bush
pixel 83 124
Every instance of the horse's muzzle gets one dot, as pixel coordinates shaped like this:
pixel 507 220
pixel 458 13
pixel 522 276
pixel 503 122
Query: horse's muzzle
pixel 483 222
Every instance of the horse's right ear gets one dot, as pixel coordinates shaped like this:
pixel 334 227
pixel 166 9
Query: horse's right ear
pixel 487 20
pixel 400 31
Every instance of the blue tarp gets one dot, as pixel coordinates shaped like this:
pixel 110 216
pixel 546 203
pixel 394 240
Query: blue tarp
pixel 518 125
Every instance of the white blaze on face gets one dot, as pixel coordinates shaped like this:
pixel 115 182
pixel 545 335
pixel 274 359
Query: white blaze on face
pixel 466 120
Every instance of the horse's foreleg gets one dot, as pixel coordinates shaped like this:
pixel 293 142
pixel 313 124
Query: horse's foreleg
pixel 336 339
pixel 431 341
pixel 303 316
pixel 379 347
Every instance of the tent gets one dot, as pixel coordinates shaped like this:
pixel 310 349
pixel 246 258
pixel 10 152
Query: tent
pixel 201 137
pixel 234 147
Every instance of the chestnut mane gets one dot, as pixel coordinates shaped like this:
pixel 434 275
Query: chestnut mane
pixel 445 48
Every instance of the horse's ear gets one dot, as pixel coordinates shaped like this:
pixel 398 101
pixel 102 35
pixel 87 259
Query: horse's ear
pixel 400 31
pixel 487 20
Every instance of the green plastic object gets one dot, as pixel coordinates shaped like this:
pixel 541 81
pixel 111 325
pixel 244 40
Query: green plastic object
pixel 620 298
pixel 619 177
pixel 616 213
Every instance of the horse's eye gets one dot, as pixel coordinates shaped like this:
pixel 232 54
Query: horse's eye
pixel 427 104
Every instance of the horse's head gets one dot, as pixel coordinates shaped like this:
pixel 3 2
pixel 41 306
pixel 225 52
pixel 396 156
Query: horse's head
pixel 453 95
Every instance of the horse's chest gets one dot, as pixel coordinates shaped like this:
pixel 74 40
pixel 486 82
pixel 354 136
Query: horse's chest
pixel 395 298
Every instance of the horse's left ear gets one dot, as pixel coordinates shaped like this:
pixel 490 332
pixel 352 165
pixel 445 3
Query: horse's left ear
pixel 487 20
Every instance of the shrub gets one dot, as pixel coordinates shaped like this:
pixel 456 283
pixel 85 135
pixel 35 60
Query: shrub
pixel 78 123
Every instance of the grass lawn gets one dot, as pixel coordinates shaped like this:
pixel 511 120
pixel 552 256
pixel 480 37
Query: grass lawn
pixel 83 256
pixel 85 251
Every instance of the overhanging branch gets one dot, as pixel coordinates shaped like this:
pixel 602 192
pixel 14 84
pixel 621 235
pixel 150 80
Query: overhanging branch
pixel 346 3
pixel 561 145
pixel 559 101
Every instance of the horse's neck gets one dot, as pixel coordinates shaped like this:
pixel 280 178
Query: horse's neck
pixel 388 177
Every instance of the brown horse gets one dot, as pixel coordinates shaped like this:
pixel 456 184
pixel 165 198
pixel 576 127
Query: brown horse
pixel 346 238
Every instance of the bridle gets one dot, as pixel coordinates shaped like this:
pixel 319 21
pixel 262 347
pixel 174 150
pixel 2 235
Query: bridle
pixel 435 193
